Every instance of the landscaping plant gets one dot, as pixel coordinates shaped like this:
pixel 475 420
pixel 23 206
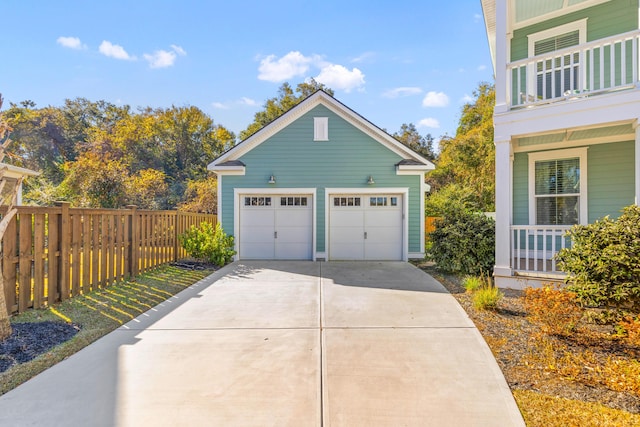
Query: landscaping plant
pixel 552 308
pixel 603 264
pixel 464 242
pixel 208 243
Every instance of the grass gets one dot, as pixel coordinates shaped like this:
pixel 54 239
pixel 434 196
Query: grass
pixel 99 313
pixel 540 410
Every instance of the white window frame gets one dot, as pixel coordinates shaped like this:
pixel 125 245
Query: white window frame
pixel 580 25
pixel 581 154
pixel 321 128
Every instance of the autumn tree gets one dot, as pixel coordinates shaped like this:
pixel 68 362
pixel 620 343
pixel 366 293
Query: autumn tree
pixel 409 136
pixel 467 161
pixel 287 99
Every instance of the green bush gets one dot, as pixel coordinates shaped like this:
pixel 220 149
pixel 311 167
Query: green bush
pixel 487 298
pixel 208 243
pixel 472 283
pixel 464 242
pixel 603 264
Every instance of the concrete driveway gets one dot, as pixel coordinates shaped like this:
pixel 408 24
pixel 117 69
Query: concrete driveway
pixel 282 344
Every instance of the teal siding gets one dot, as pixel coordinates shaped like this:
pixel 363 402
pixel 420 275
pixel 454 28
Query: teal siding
pixel 610 178
pixel 610 181
pixel 346 160
pixel 604 20
pixel 520 189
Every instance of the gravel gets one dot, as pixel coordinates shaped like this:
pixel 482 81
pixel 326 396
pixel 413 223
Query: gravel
pixel 29 340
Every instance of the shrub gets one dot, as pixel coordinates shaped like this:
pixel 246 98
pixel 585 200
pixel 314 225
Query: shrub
pixel 629 327
pixel 554 309
pixel 487 297
pixel 603 263
pixel 208 243
pixel 464 242
pixel 472 283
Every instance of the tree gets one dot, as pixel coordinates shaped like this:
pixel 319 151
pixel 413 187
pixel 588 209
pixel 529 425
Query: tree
pixel 5 140
pixel 410 137
pixel 201 196
pixel 468 159
pixel 286 100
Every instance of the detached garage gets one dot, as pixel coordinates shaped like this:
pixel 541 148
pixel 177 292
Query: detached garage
pixel 321 182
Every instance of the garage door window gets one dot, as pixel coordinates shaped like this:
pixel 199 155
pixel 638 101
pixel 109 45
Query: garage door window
pixel 383 201
pixel 346 201
pixel 293 201
pixel 257 201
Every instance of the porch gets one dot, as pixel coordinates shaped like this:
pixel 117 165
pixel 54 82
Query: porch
pixel 584 70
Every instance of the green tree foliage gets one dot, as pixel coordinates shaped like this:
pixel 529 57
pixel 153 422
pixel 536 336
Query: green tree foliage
pixel 277 106
pixel 201 196
pixel 97 154
pixel 410 137
pixel 602 263
pixel 468 159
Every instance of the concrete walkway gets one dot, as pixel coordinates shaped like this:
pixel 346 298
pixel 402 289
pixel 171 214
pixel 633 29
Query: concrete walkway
pixel 282 344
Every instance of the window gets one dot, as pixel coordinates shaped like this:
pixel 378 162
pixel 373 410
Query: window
pixel 293 201
pixel 257 201
pixel 321 128
pixel 557 193
pixel 557 75
pixel 377 201
pixel 346 201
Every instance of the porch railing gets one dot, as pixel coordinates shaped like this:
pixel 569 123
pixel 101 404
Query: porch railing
pixel 533 247
pixel 584 70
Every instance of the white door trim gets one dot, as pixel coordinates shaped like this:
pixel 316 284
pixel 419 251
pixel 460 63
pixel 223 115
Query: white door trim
pixel 404 191
pixel 238 192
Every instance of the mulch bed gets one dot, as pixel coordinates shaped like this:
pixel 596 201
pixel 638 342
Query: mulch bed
pixel 29 340
pixel 511 338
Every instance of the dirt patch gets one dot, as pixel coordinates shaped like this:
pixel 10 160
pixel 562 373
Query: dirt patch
pixel 29 340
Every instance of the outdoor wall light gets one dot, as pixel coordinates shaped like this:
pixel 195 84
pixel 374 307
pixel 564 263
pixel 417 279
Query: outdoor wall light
pixel 272 179
pixel 371 181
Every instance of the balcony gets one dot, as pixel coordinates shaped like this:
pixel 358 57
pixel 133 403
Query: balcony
pixel 533 248
pixel 602 66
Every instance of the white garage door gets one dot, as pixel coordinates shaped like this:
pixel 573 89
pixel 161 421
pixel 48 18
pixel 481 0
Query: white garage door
pixel 275 226
pixel 365 227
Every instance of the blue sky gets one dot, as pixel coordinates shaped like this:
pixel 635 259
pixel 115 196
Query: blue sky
pixel 394 62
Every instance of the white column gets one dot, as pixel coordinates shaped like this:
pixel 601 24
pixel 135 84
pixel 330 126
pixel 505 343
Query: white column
pixel 503 208
pixel 502 56
pixel 638 162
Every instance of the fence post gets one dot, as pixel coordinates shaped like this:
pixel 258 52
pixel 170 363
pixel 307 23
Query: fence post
pixel 176 242
pixel 134 241
pixel 65 249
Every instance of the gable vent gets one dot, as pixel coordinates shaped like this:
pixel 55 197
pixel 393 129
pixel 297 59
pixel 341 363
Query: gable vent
pixel 557 42
pixel 321 128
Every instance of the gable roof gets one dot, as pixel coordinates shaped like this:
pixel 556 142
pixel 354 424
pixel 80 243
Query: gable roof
pixel 224 162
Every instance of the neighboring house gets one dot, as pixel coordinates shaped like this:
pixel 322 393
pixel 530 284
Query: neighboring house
pixel 11 176
pixel 566 124
pixel 322 183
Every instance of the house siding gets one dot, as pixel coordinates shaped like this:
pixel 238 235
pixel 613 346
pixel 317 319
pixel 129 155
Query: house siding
pixel 607 192
pixel 604 20
pixel 346 160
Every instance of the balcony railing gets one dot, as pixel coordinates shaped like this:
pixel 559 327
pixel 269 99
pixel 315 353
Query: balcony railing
pixel 533 248
pixel 588 69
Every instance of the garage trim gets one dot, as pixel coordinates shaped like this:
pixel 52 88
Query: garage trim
pixel 376 190
pixel 238 192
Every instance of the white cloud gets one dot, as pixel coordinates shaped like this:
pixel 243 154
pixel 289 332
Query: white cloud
pixel 402 91
pixel 71 43
pixel 466 99
pixel 163 58
pixel 482 67
pixel 178 49
pixel 248 101
pixel 293 64
pixel 114 51
pixel 477 17
pixel 435 99
pixel 338 77
pixel 367 56
pixel 219 106
pixel 429 122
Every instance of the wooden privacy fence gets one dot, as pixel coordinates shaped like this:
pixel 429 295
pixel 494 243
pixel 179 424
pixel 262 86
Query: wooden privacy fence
pixel 50 254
